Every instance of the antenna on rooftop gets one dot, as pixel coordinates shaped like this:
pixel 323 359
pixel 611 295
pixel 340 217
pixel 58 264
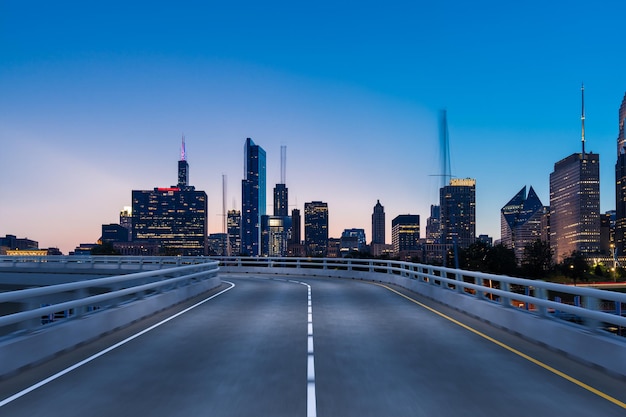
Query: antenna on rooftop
pixel 444 143
pixel 283 164
pixel 582 117
pixel 183 154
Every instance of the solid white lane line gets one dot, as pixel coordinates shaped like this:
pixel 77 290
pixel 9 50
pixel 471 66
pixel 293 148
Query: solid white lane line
pixel 107 350
pixel 311 409
pixel 311 401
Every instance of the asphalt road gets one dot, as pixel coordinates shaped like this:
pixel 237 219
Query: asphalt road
pixel 251 351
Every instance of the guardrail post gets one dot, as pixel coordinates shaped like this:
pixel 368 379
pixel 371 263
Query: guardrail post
pixel 592 303
pixel 480 294
pixel 541 294
pixel 80 294
pixel 505 301
pixel 458 276
pixel 324 265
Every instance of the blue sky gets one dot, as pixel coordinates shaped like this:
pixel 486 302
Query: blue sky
pixel 94 99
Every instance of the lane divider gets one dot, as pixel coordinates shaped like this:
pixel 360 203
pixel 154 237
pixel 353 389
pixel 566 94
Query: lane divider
pixel 513 350
pixel 107 350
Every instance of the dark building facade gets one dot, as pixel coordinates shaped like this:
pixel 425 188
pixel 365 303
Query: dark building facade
pixel 281 194
pixel 253 198
pixel 405 233
pixel 316 228
pixel 234 232
pixel 15 243
pixel 521 221
pixel 114 233
pixel 458 212
pixel 378 224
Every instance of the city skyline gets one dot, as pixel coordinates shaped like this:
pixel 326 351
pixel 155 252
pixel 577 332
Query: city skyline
pixel 95 101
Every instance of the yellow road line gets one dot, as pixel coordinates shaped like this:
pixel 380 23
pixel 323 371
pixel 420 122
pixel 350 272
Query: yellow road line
pixel 515 351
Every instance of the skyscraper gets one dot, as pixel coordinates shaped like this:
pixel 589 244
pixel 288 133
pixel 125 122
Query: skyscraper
pixel 233 223
pixel 575 205
pixel 378 224
pixel 620 184
pixel 352 240
pixel 252 198
pixel 295 247
pixel 575 201
pixel 433 225
pixel 458 212
pixel 405 233
pixel 521 221
pixel 183 167
pixel 280 200
pixel 296 227
pixel 316 228
pixel 173 217
pixel 275 235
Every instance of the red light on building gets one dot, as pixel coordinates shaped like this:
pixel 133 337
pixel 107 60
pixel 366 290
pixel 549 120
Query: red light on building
pixel 165 190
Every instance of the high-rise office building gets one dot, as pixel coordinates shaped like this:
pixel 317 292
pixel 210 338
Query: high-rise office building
pixel 521 221
pixel 296 227
pixel 316 228
pixel 378 224
pixel 295 247
pixel 217 244
pixel 183 167
pixel 352 240
pixel 280 200
pixel 173 217
pixel 457 203
pixel 126 220
pixel 405 233
pixel 233 225
pixel 275 232
pixel 252 198
pixel 575 205
pixel 620 184
pixel 433 225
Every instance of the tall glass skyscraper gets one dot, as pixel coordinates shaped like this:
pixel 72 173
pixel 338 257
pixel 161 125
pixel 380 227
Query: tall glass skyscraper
pixel 316 228
pixel 234 232
pixel 378 224
pixel 575 205
pixel 457 203
pixel 521 222
pixel 253 202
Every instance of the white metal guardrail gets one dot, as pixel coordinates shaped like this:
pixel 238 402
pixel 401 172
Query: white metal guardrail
pixel 588 307
pixel 92 262
pixel 28 309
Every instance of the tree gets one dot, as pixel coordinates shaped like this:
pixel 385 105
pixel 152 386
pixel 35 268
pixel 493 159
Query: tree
pixel 537 259
pixel 497 259
pixel 575 266
pixel 106 248
pixel 501 260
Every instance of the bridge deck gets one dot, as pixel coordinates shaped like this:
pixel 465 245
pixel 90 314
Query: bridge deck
pixel 245 352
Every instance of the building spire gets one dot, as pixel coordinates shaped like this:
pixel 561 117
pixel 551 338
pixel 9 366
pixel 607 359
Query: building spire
pixel 582 117
pixel 183 154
